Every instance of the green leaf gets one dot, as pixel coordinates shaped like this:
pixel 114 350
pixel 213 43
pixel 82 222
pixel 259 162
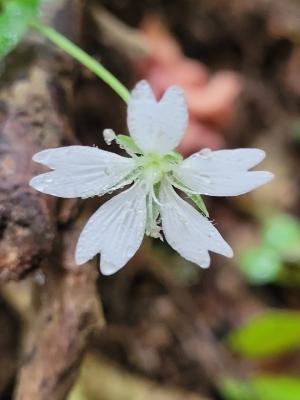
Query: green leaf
pixel 234 389
pixel 128 144
pixel 261 265
pixel 14 20
pixel 262 388
pixel 197 199
pixel 282 232
pixel 267 335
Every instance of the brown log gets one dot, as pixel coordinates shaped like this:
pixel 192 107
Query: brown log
pixel 69 312
pixel 34 116
pixel 31 123
pixel 58 336
pixel 37 80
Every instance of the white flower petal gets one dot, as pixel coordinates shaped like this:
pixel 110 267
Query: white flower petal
pixel 157 126
pixel 223 172
pixel 187 231
pixel 80 171
pixel 115 230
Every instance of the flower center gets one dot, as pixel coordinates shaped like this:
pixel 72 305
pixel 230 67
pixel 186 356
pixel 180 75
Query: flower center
pixel 154 166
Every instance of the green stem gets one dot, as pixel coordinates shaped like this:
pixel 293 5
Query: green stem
pixel 81 56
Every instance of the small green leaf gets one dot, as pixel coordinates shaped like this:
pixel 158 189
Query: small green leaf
pixel 234 389
pixel 14 20
pixel 282 232
pixel 261 265
pixel 262 388
pixel 197 199
pixel 128 144
pixel 267 335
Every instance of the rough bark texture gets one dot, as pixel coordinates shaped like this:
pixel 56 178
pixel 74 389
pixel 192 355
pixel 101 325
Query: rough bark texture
pixel 34 100
pixel 69 312
pixel 34 104
pixel 31 123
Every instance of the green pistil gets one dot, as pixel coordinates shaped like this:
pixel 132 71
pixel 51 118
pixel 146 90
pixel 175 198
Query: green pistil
pixel 162 163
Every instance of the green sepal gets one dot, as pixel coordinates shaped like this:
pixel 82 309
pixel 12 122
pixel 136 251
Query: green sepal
pixel 197 199
pixel 128 144
pixel 174 157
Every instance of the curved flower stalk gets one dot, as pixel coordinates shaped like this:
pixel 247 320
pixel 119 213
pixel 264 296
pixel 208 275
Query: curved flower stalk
pixel 153 169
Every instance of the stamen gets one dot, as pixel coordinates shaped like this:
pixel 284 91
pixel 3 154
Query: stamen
pixel 109 136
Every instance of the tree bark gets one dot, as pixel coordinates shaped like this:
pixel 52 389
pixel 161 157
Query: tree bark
pixel 35 104
pixel 35 89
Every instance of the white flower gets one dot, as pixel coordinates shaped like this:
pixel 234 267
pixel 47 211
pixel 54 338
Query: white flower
pixel 153 169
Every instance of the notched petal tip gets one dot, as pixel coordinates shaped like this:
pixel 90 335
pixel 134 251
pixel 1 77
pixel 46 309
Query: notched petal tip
pixel 31 182
pixel 107 268
pixel 263 177
pixel 142 89
pixel 224 248
pixel 80 258
pixel 46 156
pixel 223 172
pixel 37 183
pixel 268 176
pixel 157 126
pixel 261 153
pixel 142 84
pixel 115 231
pixel 175 96
pixel 258 155
pixel 39 157
pixel 228 252
pixel 205 264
